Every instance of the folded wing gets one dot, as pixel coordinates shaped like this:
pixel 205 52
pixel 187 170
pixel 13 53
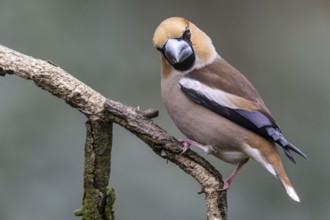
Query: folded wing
pixel 246 113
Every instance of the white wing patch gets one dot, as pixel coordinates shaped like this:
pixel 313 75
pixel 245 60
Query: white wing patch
pixel 216 95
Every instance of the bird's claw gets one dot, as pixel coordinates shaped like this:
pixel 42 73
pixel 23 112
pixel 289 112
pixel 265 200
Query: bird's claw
pixel 186 146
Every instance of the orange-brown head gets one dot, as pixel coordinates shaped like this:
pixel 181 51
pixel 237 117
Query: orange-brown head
pixel 183 45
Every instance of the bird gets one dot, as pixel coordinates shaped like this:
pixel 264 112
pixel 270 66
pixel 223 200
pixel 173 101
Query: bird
pixel 215 106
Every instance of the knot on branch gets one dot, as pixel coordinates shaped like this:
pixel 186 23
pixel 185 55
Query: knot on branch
pixel 151 113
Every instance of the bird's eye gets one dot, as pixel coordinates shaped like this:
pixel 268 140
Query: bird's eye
pixel 186 34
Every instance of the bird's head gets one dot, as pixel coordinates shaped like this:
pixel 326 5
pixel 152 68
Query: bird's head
pixel 183 45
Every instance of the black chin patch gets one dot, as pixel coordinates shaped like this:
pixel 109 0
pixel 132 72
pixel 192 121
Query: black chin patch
pixel 185 65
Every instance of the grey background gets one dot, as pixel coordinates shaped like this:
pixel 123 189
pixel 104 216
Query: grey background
pixel 283 47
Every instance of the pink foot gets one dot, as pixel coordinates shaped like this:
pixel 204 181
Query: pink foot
pixel 229 180
pixel 186 146
pixel 188 142
pixel 226 185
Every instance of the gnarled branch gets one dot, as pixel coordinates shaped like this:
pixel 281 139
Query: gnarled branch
pixel 96 107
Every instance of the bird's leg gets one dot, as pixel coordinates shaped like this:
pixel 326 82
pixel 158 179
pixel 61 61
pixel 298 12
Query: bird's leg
pixel 188 142
pixel 186 146
pixel 229 180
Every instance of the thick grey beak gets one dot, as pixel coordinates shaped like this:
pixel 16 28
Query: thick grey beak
pixel 177 50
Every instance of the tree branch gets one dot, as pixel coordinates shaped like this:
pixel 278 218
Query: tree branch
pixel 96 107
pixel 97 172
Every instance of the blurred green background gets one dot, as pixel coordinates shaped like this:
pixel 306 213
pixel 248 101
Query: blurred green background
pixel 283 47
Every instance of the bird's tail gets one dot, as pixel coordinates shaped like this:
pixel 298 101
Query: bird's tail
pixel 283 178
pixel 269 157
pixel 276 168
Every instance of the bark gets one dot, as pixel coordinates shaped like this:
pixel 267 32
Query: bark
pixel 101 113
pixel 98 198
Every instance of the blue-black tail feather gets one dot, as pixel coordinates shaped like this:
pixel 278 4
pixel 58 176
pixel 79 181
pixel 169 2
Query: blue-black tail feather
pixel 277 137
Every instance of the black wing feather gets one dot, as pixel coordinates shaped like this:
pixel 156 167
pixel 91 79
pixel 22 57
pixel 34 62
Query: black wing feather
pixel 252 120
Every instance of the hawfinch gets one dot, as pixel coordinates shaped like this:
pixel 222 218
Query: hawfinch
pixel 214 105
